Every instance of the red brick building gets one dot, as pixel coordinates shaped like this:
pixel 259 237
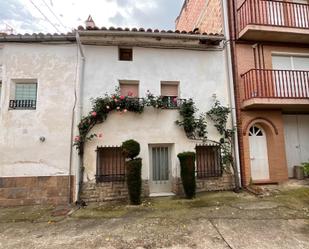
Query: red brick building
pixel 270 56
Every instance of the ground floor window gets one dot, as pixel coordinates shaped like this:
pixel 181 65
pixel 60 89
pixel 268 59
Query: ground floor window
pixel 110 164
pixel 208 161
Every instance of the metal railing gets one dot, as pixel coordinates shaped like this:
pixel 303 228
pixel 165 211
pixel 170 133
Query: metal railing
pixel 265 83
pixel 22 104
pixel 208 161
pixel 110 164
pixel 273 13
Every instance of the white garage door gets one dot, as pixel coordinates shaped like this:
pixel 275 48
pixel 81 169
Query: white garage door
pixel 296 140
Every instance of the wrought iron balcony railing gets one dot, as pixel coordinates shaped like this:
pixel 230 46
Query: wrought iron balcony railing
pixel 264 83
pixel 273 13
pixel 22 104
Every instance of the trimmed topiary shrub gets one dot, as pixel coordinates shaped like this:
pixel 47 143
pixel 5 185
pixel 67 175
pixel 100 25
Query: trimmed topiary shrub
pixel 134 180
pixel 187 172
pixel 131 148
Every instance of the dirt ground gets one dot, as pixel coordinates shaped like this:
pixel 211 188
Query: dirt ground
pixel 279 219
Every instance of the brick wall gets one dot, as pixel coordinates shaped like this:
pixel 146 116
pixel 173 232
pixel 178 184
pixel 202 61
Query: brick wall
pixel 206 15
pixel 18 191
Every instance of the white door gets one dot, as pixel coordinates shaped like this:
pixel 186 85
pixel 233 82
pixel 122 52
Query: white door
pixel 258 153
pixel 160 173
pixel 296 132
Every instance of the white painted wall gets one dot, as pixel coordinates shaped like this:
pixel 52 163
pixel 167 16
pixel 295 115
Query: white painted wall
pixel 200 73
pixel 54 68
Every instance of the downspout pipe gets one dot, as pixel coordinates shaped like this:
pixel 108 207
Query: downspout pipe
pixel 231 88
pixel 79 110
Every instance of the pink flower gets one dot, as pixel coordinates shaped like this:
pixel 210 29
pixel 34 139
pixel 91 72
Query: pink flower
pixel 77 139
pixel 130 93
pixel 125 110
pixel 107 107
pixel 175 100
pixel 116 100
pixel 122 97
pixel 93 114
pixel 113 97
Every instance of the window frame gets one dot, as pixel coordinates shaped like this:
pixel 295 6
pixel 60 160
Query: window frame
pixel 16 104
pixel 118 172
pixel 122 51
pixel 208 171
pixel 168 100
pixel 130 82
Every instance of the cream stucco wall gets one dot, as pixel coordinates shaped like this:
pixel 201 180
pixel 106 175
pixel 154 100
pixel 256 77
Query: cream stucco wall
pixel 21 151
pixel 200 75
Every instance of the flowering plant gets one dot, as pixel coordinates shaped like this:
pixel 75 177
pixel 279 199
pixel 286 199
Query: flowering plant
pixel 195 128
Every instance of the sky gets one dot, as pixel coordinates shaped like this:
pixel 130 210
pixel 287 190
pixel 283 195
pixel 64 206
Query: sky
pixel 61 16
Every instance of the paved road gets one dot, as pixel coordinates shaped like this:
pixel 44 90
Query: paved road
pixel 211 221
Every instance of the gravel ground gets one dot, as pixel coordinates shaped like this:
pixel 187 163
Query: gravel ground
pixel 212 220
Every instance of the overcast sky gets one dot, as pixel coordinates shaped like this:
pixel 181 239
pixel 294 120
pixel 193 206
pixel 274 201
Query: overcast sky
pixel 51 16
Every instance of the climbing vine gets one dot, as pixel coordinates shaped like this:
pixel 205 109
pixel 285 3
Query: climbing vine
pixel 219 116
pixel 195 128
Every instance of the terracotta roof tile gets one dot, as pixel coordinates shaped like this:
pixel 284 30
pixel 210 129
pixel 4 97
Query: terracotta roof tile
pixel 149 30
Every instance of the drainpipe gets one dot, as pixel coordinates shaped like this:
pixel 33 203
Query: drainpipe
pixel 231 89
pixel 79 94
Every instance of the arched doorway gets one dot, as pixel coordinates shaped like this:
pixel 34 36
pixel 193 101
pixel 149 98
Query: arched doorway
pixel 258 153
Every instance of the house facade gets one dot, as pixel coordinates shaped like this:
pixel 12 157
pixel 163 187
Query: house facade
pixel 172 65
pixel 269 46
pixel 37 98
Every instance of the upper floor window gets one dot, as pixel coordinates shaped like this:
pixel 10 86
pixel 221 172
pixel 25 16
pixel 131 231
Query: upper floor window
pixel 170 93
pixel 125 54
pixel 129 88
pixel 25 96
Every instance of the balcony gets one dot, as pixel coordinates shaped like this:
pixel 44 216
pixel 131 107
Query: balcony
pixel 279 89
pixel 265 20
pixel 22 104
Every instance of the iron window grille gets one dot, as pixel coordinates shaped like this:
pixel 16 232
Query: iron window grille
pixel 110 164
pixel 208 161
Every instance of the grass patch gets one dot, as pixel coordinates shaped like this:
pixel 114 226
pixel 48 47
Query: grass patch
pixel 31 214
pixel 294 198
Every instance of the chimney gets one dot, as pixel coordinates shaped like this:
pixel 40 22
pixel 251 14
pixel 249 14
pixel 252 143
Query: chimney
pixel 89 22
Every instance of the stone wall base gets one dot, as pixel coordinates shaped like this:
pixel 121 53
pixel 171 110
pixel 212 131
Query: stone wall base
pixel 225 182
pixel 22 191
pixel 108 191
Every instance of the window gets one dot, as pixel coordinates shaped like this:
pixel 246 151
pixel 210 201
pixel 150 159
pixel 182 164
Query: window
pixel 169 93
pixel 129 88
pixel 110 164
pixel 125 54
pixel 208 161
pixel 25 96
